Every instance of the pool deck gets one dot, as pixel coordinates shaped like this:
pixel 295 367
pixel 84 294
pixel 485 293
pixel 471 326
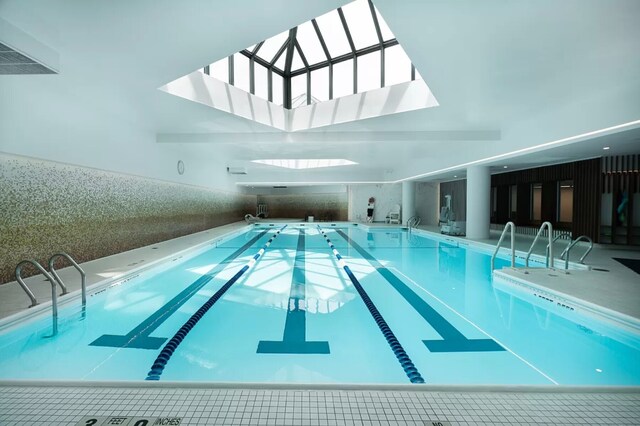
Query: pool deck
pixel 72 403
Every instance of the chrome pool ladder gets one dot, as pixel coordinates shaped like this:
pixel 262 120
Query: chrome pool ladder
pixel 549 256
pixel 83 277
pixel 510 226
pixel 564 235
pixel 34 302
pixel 413 222
pixel 565 254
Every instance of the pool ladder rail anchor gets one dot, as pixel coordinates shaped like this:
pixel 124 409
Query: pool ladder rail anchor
pixel 54 279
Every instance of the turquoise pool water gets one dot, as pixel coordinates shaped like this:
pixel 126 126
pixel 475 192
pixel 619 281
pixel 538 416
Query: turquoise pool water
pixel 290 312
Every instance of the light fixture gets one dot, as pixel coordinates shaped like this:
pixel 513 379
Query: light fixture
pixel 504 167
pixel 455 176
pixel 606 148
pixel 306 163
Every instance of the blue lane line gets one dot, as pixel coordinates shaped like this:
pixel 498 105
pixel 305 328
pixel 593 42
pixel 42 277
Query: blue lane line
pixel 453 339
pixel 407 365
pixel 294 339
pixel 161 361
pixel 139 337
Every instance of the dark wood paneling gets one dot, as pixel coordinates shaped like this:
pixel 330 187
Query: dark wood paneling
pixel 587 194
pixel 523 208
pixel 549 201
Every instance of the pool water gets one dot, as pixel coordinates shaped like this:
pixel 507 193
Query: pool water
pixel 291 313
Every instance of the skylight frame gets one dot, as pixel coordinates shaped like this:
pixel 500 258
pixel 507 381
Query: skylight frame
pixel 306 163
pixel 291 45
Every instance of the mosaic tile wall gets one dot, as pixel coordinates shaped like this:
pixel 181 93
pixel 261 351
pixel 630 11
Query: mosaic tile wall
pixel 48 207
pixel 323 207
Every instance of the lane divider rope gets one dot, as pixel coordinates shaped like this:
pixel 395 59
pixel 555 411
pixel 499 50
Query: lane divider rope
pixel 407 365
pixel 161 361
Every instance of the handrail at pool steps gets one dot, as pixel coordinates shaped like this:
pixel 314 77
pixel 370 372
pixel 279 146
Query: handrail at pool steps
pixel 565 254
pixel 549 261
pixel 565 235
pixel 509 226
pixel 34 302
pixel 83 277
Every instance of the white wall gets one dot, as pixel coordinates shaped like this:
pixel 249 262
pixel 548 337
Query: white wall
pixel 386 196
pixel 427 202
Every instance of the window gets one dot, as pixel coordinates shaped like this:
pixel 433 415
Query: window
pixel 271 46
pixel 565 201
pixel 320 85
pixel 299 90
pixel 343 79
pixel 277 82
pixel 333 33
pixel 310 44
pixel 369 72
pixel 384 28
pixel 397 66
pixel 536 202
pixel 220 70
pixel 261 81
pixel 360 23
pixel 241 71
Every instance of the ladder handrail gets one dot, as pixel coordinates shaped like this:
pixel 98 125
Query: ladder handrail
pixel 570 246
pixel 550 245
pixel 512 227
pixel 83 276
pixel 52 281
pixel 556 238
pixel 413 222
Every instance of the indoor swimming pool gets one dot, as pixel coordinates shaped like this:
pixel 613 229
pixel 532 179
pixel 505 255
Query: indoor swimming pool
pixel 322 303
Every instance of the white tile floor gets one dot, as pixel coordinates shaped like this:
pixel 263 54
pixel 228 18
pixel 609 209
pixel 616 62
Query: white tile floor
pixel 71 405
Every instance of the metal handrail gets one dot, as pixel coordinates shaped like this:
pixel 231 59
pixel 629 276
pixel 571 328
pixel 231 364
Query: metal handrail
pixel 570 246
pixel 550 245
pixel 512 227
pixel 52 281
pixel 83 276
pixel 413 222
pixel 557 237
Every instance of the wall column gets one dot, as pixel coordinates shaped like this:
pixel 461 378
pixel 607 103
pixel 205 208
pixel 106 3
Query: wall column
pixel 478 202
pixel 408 200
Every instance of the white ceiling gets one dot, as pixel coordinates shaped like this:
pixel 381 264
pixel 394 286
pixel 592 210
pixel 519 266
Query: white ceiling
pixel 507 75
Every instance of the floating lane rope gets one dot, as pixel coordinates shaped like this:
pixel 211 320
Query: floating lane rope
pixel 161 361
pixel 407 365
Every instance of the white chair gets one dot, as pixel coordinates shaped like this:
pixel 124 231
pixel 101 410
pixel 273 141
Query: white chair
pixel 394 215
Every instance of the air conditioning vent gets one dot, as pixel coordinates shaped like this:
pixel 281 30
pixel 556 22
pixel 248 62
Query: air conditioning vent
pixel 237 170
pixel 13 62
pixel 279 187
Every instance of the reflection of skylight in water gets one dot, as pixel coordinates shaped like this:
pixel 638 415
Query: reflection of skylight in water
pixel 360 23
pixel 306 164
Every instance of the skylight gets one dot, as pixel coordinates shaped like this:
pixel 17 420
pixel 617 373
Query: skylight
pixel 306 164
pixel 354 38
pixel 342 66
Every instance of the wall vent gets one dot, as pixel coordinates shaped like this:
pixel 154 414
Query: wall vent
pixel 237 170
pixel 14 62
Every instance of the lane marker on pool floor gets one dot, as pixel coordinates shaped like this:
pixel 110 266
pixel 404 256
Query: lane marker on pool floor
pixel 407 365
pixel 161 361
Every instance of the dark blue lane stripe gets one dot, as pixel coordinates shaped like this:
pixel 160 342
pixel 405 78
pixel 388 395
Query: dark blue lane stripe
pixel 161 361
pixel 294 339
pixel 139 337
pixel 407 365
pixel 454 340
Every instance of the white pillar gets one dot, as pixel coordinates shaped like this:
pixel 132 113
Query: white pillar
pixel 478 202
pixel 408 200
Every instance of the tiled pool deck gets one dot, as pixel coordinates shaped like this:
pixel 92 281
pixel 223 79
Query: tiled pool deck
pixel 33 403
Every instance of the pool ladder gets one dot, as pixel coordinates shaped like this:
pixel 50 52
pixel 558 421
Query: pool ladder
pixel 549 260
pixel 53 279
pixel 413 222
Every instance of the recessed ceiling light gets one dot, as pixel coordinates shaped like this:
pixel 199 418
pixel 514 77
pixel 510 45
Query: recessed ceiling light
pixel 606 148
pixel 504 167
pixel 306 164
pixel 455 176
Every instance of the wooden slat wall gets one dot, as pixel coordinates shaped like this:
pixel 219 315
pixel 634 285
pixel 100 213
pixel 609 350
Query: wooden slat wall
pixel 586 199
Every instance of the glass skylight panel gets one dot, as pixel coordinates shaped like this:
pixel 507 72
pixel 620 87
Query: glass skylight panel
pixel 272 45
pixel 306 163
pixel 320 85
pixel 343 79
pixel 281 60
pixel 220 70
pixel 250 48
pixel 261 81
pixel 397 66
pixel 299 90
pixel 369 72
pixel 384 28
pixel 360 23
pixel 241 71
pixel 296 63
pixel 277 87
pixel 333 33
pixel 310 44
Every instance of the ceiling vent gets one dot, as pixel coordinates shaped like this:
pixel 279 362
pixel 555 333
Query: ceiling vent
pixel 13 62
pixel 237 170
